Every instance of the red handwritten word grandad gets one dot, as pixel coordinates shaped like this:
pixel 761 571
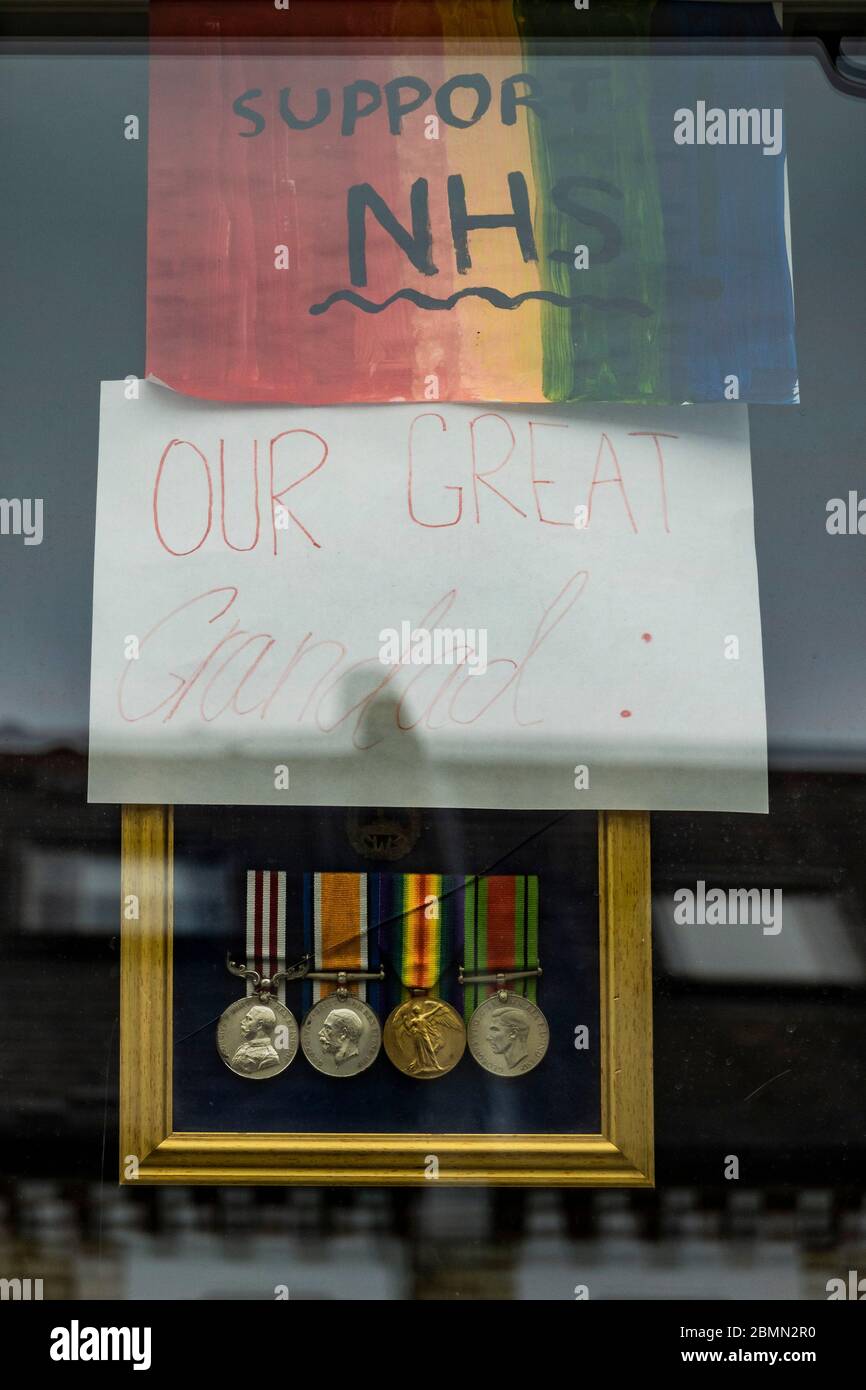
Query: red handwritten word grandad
pixel 222 670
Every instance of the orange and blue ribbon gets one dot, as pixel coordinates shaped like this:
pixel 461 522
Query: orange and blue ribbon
pixel 336 934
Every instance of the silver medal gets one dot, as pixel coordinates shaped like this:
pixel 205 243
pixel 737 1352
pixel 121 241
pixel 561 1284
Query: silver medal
pixel 507 1034
pixel 257 1037
pixel 341 1035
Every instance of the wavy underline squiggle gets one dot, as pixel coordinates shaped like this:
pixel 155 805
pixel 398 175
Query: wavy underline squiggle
pixel 497 298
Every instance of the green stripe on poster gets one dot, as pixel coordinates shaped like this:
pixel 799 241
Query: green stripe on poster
pixel 594 167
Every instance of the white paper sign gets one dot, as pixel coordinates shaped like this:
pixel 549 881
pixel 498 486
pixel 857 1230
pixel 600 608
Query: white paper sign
pixel 437 605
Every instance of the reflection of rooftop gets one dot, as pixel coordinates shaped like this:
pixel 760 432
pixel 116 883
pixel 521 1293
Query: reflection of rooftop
pixel 17 739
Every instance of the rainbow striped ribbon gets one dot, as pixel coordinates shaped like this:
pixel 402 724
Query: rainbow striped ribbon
pixel 266 925
pixel 420 930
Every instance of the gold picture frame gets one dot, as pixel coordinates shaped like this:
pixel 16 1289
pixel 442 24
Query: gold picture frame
pixel 620 1156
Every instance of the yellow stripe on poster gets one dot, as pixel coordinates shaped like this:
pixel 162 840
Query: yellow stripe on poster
pixel 500 350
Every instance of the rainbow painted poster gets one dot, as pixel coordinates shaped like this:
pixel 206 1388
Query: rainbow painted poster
pixel 339 212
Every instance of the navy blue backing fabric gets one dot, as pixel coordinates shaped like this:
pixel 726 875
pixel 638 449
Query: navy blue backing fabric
pixel 561 1096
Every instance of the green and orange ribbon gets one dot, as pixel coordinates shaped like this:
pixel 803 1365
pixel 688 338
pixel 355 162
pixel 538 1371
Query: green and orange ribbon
pixel 500 933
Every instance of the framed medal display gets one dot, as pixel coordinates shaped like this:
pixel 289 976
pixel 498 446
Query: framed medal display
pixel 489 1023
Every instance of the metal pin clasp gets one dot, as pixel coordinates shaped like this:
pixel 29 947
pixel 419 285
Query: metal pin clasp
pixel 268 984
pixel 499 979
pixel 344 978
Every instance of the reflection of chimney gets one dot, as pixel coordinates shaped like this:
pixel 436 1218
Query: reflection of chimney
pixel 389 833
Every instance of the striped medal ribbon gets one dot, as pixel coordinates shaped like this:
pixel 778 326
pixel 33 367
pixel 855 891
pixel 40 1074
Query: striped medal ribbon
pixel 418 918
pixel 257 1036
pixel 507 1033
pixel 340 1033
pixel 266 926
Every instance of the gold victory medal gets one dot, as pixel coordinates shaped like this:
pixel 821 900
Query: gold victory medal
pixel 424 1038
